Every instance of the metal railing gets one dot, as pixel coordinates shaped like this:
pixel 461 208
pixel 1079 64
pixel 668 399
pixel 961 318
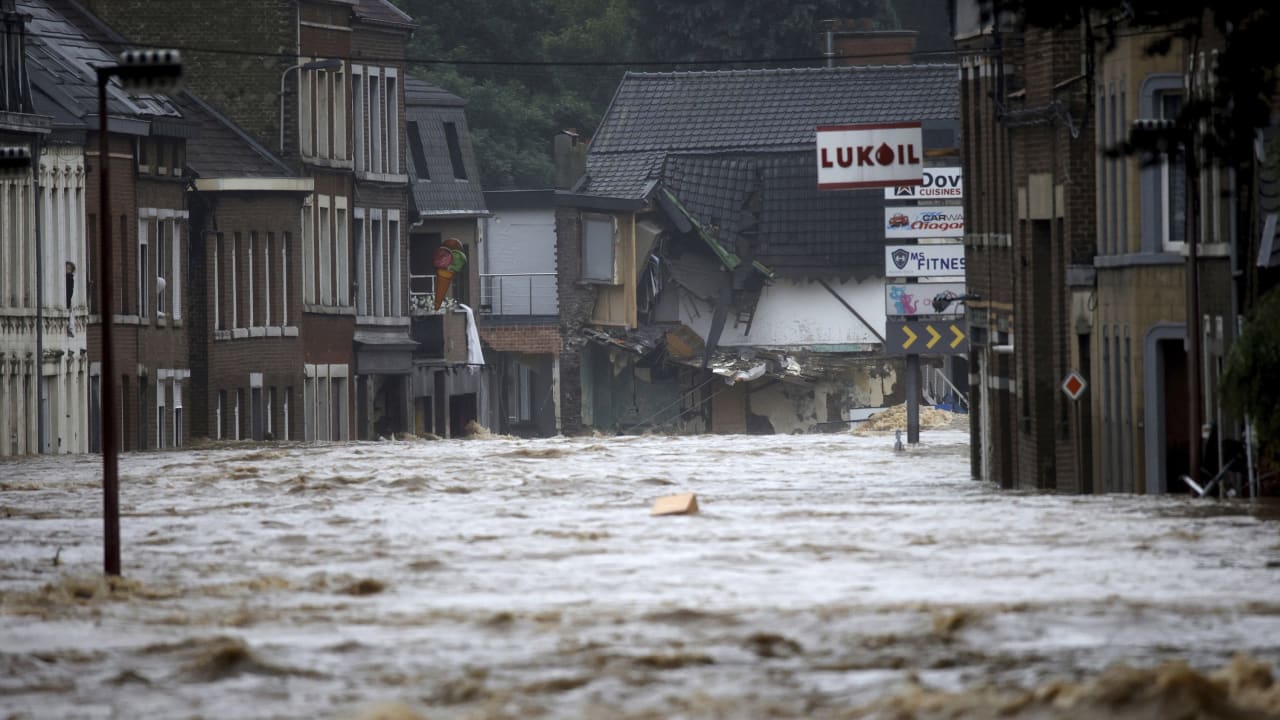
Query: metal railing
pixel 422 291
pixel 519 294
pixel 938 389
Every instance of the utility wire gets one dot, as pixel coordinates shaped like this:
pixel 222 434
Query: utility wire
pixel 411 60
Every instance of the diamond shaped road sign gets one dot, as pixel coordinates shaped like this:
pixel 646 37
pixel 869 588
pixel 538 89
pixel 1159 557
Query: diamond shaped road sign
pixel 1074 385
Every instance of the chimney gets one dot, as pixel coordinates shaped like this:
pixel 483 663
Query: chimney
pixel 856 42
pixel 570 155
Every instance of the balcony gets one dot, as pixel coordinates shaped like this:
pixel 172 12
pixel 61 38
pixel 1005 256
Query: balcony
pixel 519 295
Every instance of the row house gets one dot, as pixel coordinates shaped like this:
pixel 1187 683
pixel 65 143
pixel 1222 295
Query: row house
pixel 1029 241
pixel 332 106
pixel 450 377
pixel 1096 254
pixel 149 250
pixel 25 189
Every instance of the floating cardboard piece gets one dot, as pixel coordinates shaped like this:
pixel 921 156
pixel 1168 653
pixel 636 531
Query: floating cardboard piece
pixel 682 504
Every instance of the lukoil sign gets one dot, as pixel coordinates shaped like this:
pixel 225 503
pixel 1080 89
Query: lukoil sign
pixel 944 182
pixel 919 221
pixel 902 261
pixel 868 156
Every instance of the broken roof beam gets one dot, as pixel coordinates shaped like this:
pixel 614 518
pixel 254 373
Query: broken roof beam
pixel 685 221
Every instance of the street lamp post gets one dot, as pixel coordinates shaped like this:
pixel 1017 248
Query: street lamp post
pixel 323 64
pixel 153 71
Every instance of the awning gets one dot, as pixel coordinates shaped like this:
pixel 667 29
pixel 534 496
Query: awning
pixel 384 351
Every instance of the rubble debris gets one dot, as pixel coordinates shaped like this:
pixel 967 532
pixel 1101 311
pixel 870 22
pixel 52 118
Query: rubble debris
pixel 682 504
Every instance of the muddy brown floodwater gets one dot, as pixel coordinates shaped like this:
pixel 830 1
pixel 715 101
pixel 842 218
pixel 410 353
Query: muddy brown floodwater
pixel 825 577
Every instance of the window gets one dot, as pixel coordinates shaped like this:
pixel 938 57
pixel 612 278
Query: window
pixel 324 88
pixel 308 255
pixel 455 151
pixel 144 267
pixel 267 414
pixel 379 297
pixel 326 253
pixel 177 235
pixel 284 413
pixel 391 123
pixel 284 278
pixel 360 110
pixel 418 154
pixel 162 269
pixel 306 108
pixel 361 247
pixel 597 248
pixel 339 109
pixel 235 285
pixel 177 414
pixel 393 247
pixel 266 278
pixel 219 415
pixel 1163 182
pixel 1173 182
pixel 219 317
pixel 239 404
pixel 340 258
pixel 251 315
pixel 375 121
pixel 162 419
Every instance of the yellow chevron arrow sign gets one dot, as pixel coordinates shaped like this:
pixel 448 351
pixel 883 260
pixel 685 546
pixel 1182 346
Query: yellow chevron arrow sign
pixel 934 336
pixel 959 337
pixel 911 337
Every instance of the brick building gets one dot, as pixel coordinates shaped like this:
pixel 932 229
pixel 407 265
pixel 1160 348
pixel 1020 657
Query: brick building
pixel 321 83
pixel 1028 157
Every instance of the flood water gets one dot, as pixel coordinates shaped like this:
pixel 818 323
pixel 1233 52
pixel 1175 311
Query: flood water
pixel 826 576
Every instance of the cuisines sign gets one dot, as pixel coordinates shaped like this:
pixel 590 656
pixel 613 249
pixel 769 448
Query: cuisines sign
pixel 939 182
pixel 867 156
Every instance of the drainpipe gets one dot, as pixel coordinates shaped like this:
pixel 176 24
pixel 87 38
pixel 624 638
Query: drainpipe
pixel 41 414
pixel 1193 306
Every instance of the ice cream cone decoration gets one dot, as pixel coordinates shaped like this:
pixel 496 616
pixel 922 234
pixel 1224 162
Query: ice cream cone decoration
pixel 448 259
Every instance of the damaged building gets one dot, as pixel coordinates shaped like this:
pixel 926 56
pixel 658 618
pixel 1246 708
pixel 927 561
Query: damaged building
pixel 705 283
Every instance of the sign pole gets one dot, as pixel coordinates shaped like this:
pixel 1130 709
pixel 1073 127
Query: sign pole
pixel 913 399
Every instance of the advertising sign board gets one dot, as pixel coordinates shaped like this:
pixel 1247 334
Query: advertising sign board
pixel 869 156
pixel 938 182
pixel 902 299
pixel 901 261
pixel 919 221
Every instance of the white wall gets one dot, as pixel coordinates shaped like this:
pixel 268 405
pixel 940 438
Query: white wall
pixel 793 313
pixel 517 243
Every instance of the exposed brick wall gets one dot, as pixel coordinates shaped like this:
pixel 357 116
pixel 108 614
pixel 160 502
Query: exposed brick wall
pixel 577 300
pixel 522 338
pixel 1018 263
pixel 243 86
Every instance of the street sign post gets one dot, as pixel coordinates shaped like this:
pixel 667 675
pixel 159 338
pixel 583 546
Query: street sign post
pixel 1074 385
pixel 926 337
pixel 903 299
pixel 913 261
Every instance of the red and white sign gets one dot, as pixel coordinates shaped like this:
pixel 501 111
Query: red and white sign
pixel 1074 386
pixel 870 156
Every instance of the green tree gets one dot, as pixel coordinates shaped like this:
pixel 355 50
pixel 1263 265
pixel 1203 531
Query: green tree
pixel 1253 364
pixel 743 30
pixel 495 54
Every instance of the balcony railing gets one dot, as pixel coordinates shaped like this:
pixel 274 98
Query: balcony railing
pixel 519 294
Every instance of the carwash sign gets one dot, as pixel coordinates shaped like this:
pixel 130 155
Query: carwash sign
pixel 920 221
pixel 868 156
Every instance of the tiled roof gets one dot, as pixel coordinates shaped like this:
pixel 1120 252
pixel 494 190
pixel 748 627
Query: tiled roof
pixel 653 114
pixel 421 92
pixel 383 11
pixel 436 190
pixel 799 228
pixel 62 57
pixel 222 150
pixel 738 109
